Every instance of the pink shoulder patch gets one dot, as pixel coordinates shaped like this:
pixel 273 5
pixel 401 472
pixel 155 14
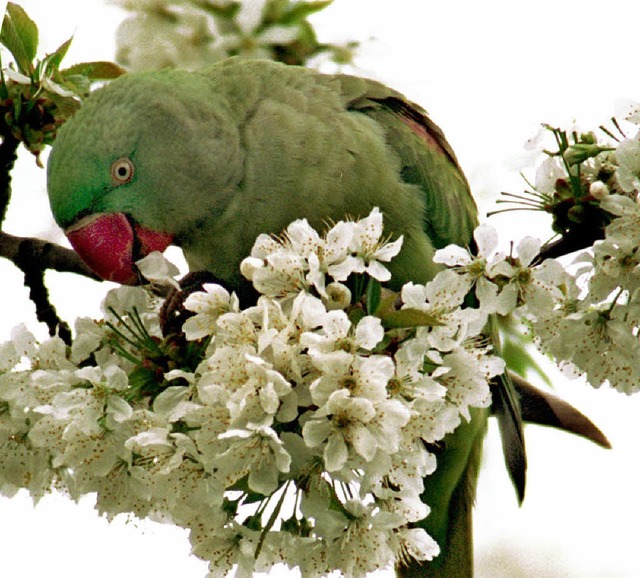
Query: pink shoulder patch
pixel 421 131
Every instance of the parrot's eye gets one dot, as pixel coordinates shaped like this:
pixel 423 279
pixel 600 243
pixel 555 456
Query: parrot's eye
pixel 122 171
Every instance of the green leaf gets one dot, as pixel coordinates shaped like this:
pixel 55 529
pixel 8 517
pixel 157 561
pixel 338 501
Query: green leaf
pixel 66 105
pixel 53 60
pixel 373 294
pixel 4 91
pixel 225 11
pixel 301 10
pixel 100 70
pixel 408 318
pixel 19 34
pixel 80 85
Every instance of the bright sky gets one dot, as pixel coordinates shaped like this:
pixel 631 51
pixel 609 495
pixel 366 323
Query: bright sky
pixel 489 73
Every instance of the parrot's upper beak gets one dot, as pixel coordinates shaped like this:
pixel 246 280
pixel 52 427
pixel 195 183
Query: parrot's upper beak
pixel 111 243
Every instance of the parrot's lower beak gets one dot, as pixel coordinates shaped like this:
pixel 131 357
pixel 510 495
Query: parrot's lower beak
pixel 111 243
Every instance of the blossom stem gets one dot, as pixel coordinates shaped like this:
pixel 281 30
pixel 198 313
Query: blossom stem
pixel 273 518
pixel 141 338
pixel 491 213
pixel 621 290
pixel 526 198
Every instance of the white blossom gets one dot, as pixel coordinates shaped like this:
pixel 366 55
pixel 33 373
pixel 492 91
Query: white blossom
pixel 337 334
pixel 416 544
pixel 364 544
pixel 627 225
pixel 370 250
pixel 299 395
pixel 628 158
pixel 257 452
pixel 155 267
pixel 208 306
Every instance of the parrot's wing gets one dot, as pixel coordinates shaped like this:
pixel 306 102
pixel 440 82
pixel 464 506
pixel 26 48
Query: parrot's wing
pixel 427 161
pixel 450 217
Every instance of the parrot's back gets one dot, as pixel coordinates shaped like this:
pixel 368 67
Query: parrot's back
pixel 325 147
pixel 328 147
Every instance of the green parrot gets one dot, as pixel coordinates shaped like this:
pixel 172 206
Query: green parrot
pixel 209 160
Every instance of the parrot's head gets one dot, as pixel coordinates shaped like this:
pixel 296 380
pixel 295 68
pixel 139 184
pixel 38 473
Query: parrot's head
pixel 139 165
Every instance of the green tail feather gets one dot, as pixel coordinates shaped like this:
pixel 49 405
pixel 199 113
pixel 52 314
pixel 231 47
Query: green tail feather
pixel 450 493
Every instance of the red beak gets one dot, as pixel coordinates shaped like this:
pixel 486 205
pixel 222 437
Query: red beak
pixel 111 243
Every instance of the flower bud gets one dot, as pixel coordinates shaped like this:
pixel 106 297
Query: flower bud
pixel 249 266
pixel 338 296
pixel 598 190
pixel 578 153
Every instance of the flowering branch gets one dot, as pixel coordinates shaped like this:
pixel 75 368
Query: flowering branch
pixel 36 98
pixel 588 322
pixel 301 429
pixel 304 394
pixel 194 33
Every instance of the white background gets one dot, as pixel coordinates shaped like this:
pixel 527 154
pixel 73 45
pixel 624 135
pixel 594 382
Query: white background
pixel 489 73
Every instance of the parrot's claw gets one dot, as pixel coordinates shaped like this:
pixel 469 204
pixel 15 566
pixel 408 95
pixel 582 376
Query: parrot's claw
pixel 173 314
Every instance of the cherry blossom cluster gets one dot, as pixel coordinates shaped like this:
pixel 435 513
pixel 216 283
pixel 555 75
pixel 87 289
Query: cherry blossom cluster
pixel 584 312
pixel 583 308
pixel 592 329
pixel 189 34
pixel 299 430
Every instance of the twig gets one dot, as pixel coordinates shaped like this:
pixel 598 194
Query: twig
pixel 47 255
pixel 8 155
pixel 38 293
pixel 33 257
pixel 573 241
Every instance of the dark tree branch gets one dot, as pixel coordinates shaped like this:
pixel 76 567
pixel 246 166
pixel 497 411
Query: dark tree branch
pixel 572 241
pixel 8 156
pixel 44 255
pixel 33 257
pixel 38 293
